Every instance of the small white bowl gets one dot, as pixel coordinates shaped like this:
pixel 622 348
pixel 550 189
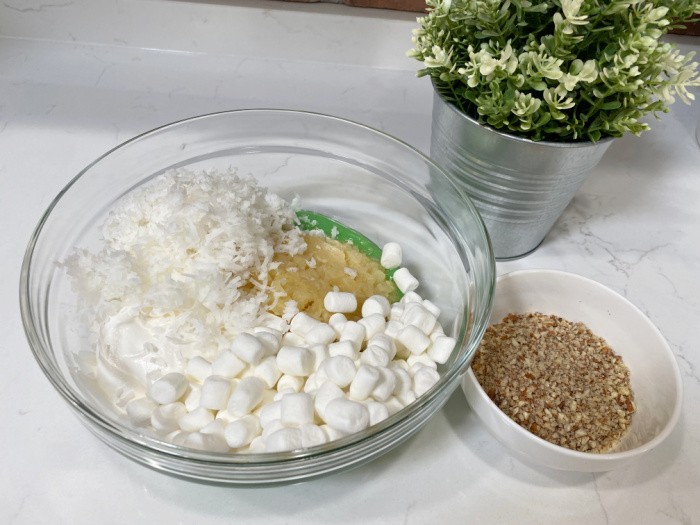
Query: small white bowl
pixel 654 374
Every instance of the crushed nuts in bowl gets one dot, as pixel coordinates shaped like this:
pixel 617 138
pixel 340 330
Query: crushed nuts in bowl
pixel 571 375
pixel 556 379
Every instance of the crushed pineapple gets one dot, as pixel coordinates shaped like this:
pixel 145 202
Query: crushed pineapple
pixel 327 265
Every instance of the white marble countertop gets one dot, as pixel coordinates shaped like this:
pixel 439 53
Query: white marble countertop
pixel 78 77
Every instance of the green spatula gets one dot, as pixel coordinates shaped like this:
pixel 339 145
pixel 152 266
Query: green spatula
pixel 311 220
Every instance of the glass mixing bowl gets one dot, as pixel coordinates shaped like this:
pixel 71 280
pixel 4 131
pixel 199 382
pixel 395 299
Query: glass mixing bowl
pixel 364 178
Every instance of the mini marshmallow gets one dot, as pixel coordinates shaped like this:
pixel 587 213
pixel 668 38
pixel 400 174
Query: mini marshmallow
pixel 337 321
pixel 178 438
pixel 374 324
pixel 417 315
pixel 312 435
pixel 399 363
pixel 392 328
pixel 215 393
pixel 385 342
pixel 331 433
pixel 241 432
pixel 376 304
pixel 340 369
pixel 323 334
pixel 375 356
pixel 257 446
pixel 437 331
pixel 290 382
pixel 164 418
pixel 327 392
pixel 441 349
pixel 386 384
pixel 214 427
pixel 295 360
pixel 195 420
pixel 404 280
pixel 291 308
pixel 292 339
pixel 283 440
pixel 396 312
pixel 346 415
pixel 415 361
pixel 246 396
pixel 354 332
pixel 343 302
pixel 226 416
pixel 281 393
pixel 424 379
pixel 272 331
pixel 248 372
pixel 431 307
pixel 402 352
pixel 407 397
pixel 411 297
pixel 168 388
pixel 192 398
pixel 365 380
pixel 198 368
pixel 377 412
pixel 297 409
pixel 320 352
pixel 346 348
pixel 303 323
pixel 209 442
pixel 391 255
pixel 393 405
pixel 270 341
pixel 272 321
pixel 413 339
pixel 268 371
pixel 404 382
pixel 270 412
pixel 139 410
pixel 313 382
pixel 268 396
pixel 272 427
pixel 248 348
pixel 227 365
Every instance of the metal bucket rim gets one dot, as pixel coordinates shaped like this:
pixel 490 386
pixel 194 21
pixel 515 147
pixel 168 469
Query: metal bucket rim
pixel 515 138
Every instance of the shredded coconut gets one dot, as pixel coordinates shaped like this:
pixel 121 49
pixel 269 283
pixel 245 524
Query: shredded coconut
pixel 184 268
pixel 291 308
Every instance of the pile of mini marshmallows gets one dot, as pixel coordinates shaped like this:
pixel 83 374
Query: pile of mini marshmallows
pixel 285 386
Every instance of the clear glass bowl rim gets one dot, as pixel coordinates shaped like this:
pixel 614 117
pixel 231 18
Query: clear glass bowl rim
pixel 105 428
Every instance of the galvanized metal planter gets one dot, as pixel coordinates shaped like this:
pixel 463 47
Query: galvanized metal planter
pixel 519 186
